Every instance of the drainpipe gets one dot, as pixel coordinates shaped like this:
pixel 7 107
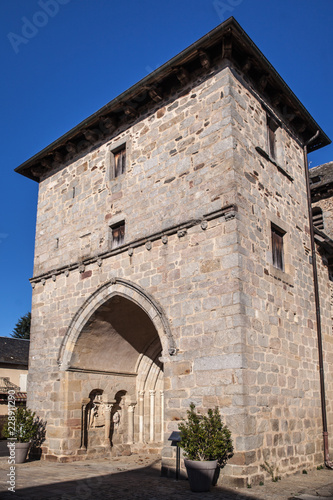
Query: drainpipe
pixel 328 463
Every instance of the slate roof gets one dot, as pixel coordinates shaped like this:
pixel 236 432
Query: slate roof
pixel 14 351
pixel 227 41
pixel 321 181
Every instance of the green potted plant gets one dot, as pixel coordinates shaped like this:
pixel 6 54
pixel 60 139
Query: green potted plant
pixel 207 446
pixel 21 429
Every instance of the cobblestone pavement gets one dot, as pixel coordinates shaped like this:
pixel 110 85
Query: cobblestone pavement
pixel 138 477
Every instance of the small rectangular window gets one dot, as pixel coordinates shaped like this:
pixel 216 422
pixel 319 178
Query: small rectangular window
pixel 119 159
pixel 277 247
pixel 117 234
pixel 271 136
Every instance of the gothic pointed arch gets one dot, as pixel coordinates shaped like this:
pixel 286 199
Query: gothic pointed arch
pixel 122 288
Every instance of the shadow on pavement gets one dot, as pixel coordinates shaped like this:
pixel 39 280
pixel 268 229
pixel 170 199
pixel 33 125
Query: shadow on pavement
pixel 144 484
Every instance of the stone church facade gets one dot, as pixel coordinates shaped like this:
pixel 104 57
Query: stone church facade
pixel 172 265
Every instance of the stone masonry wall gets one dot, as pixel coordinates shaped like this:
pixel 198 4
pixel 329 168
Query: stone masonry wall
pixel 243 329
pixel 326 204
pixel 281 394
pixel 326 311
pixel 179 169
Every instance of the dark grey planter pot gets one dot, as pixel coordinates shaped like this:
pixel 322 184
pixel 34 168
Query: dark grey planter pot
pixel 200 474
pixel 21 452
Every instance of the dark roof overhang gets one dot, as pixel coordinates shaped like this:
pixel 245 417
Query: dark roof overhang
pixel 227 41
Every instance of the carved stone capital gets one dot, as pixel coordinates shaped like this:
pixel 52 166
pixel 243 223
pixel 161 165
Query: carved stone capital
pixel 181 233
pixel 131 407
pixel 229 215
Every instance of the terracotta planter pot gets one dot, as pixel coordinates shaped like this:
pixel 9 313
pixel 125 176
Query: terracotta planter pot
pixel 200 474
pixel 21 452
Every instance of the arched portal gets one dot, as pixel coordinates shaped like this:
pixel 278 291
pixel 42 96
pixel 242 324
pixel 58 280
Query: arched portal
pixel 112 358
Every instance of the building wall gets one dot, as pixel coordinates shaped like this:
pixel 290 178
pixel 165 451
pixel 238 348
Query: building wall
pixel 326 205
pixel 325 278
pixel 15 376
pixel 326 310
pixel 281 392
pixel 175 172
pixel 243 329
pixel 193 276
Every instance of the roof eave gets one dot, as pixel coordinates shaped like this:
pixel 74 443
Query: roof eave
pixel 230 27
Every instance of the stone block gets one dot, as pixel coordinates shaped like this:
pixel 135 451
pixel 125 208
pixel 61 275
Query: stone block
pixel 222 362
pixel 249 443
pixel 182 368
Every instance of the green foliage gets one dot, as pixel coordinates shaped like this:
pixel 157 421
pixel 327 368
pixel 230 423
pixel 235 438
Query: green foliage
pixel 261 483
pixel 320 467
pixel 21 425
pixel 304 471
pixel 22 327
pixel 205 437
pixel 271 471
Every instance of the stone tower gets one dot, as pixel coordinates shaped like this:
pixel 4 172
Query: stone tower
pixel 172 265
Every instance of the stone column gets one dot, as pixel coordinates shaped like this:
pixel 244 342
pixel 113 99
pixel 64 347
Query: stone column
pixel 141 415
pixel 84 403
pixel 131 422
pixel 152 415
pixel 162 415
pixel 107 413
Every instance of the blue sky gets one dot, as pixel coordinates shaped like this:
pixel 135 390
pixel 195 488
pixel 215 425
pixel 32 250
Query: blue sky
pixel 64 59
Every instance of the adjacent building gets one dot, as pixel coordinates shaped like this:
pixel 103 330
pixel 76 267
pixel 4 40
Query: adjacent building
pixel 14 355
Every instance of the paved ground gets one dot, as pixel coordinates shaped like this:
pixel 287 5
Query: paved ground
pixel 138 478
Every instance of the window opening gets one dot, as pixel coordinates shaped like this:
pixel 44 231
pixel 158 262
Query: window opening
pixel 277 247
pixel 271 130
pixel 120 161
pixel 118 234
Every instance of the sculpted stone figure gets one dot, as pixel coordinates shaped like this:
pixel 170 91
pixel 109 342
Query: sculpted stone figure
pixel 96 416
pixel 116 419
